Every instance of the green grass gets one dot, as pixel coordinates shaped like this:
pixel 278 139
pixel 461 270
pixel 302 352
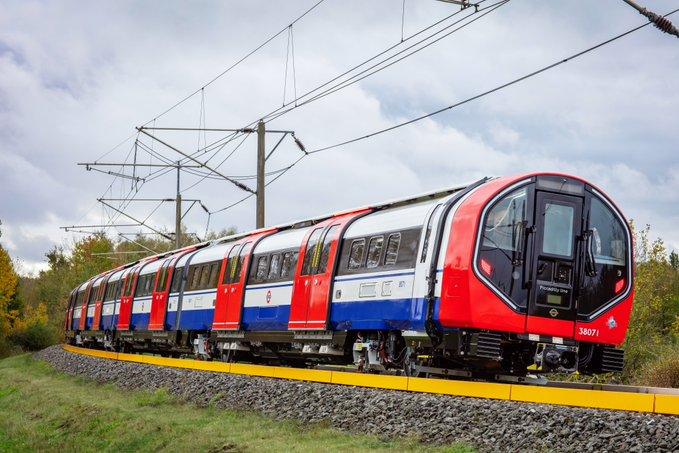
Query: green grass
pixel 44 410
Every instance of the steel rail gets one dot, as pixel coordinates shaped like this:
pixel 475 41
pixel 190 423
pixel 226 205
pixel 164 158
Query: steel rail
pixel 593 396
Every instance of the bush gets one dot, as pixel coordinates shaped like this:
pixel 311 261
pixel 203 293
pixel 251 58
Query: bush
pixel 35 337
pixel 664 372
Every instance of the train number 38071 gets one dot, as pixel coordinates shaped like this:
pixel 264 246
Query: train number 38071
pixel 587 332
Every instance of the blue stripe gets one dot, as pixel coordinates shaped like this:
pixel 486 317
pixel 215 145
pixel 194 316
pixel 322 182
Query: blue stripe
pixel 196 319
pixel 373 277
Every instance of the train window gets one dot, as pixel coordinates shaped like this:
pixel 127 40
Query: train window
pixel 289 264
pixel 356 253
pixel 325 251
pixel 374 251
pixel 502 236
pixel 504 221
pixel 231 264
pixel 557 238
pixel 140 285
pixel 262 267
pixel 274 267
pixel 427 234
pixel 162 281
pixel 204 276
pixel 310 257
pixel 150 284
pixel 214 274
pixel 393 244
pixel 609 246
pixel 177 280
pixel 93 294
pixel 241 261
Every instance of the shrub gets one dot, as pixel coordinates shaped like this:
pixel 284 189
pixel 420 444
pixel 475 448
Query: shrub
pixel 664 372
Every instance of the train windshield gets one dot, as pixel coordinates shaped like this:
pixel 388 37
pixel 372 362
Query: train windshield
pixel 605 275
pixel 502 244
pixel 560 254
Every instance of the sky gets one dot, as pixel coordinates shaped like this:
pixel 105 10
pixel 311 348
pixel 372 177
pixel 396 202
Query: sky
pixel 77 78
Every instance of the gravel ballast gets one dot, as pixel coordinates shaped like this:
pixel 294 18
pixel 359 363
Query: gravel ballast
pixel 488 425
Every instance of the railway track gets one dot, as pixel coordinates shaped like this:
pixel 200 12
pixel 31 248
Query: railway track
pixel 594 396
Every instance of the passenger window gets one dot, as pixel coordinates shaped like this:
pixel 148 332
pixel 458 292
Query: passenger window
pixel 214 275
pixel 356 253
pixel 289 264
pixel 274 267
pixel 231 264
pixel 427 234
pixel 311 252
pixel 241 260
pixel 374 251
pixel 325 252
pixel 262 265
pixel 141 280
pixel 93 294
pixel 177 280
pixel 393 245
pixel 204 276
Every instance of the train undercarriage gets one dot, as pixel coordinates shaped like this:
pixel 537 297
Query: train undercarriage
pixel 457 354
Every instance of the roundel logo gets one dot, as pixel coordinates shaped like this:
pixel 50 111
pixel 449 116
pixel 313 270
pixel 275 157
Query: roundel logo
pixel 553 312
pixel 268 297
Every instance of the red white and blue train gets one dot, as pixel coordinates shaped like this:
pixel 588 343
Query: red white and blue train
pixel 497 277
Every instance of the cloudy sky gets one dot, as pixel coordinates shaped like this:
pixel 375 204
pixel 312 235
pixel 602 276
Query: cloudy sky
pixel 76 78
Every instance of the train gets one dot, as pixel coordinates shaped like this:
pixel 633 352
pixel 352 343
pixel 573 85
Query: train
pixel 506 276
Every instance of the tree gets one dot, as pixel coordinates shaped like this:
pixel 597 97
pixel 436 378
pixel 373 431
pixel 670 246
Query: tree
pixel 674 260
pixel 9 281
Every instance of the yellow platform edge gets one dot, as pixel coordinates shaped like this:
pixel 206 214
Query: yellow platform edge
pixel 594 399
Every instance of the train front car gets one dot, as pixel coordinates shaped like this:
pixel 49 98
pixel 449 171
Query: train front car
pixel 546 284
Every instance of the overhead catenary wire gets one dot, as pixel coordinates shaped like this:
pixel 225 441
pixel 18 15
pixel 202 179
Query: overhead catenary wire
pixel 490 91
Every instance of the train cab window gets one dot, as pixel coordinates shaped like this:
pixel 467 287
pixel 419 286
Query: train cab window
pixel 176 280
pixel 393 244
pixel 558 230
pixel 374 251
pixel 608 252
pixel 310 257
pixel 325 251
pixel 262 267
pixel 289 264
pixel 501 246
pixel 274 267
pixel 356 253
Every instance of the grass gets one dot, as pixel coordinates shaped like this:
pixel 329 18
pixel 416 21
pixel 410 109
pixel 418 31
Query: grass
pixel 44 410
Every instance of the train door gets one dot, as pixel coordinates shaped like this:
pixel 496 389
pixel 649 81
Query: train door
pixel 231 291
pixel 127 298
pixel 225 285
pixel 86 299
pixel 555 264
pixel 310 306
pixel 160 296
pixel 99 303
pixel 69 311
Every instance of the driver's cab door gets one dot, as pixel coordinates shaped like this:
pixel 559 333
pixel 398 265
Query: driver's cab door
pixel 555 264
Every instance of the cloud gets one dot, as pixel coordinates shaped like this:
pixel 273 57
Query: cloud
pixel 75 78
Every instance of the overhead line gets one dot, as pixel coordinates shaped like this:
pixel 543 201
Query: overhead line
pixel 493 90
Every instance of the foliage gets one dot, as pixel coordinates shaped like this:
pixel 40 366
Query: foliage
pixel 662 372
pixel 32 309
pixel 9 282
pixel 654 328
